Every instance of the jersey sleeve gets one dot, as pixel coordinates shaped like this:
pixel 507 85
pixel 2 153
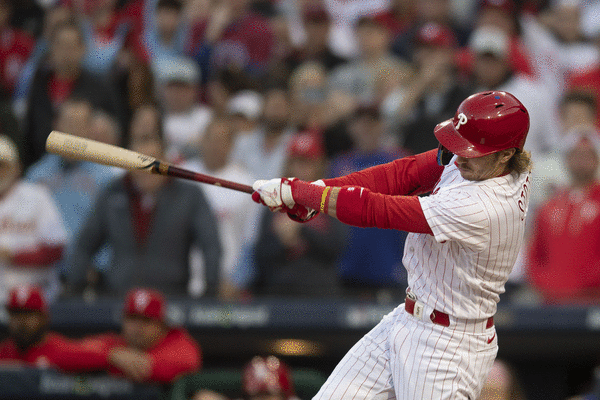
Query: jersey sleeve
pixel 177 355
pixel 85 355
pixel 457 215
pixel 411 175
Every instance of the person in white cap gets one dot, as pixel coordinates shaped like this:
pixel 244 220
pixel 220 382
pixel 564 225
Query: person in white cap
pixel 32 233
pixel 492 70
pixel 185 118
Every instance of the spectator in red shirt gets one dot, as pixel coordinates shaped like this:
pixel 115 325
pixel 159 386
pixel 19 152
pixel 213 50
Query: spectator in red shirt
pixel 564 252
pixel 31 342
pixel 147 349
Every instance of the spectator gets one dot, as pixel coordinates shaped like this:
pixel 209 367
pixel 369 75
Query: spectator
pixel 571 48
pixel 151 239
pixel 61 78
pixel 15 47
pixel 233 37
pixel 435 91
pixel 31 230
pixel 261 148
pixel 74 185
pixel 166 31
pixel 105 33
pixel 494 71
pixel 563 252
pixel 263 378
pixel 316 46
pixel 400 18
pixel 440 12
pixel 147 349
pixel 504 15
pixel 267 378
pixel 53 17
pixel 365 77
pixel 577 114
pixel 30 341
pixel 185 119
pixel 235 211
pixel 295 259
pixel 369 264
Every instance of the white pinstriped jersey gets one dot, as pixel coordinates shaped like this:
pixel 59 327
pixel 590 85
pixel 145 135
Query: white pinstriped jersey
pixel 478 229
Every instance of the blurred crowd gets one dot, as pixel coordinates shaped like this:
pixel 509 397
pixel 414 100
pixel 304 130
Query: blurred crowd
pixel 254 89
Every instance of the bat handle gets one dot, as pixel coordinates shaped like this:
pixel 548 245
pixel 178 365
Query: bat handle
pixel 171 170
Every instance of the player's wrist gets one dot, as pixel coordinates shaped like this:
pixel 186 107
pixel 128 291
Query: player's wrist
pixel 308 194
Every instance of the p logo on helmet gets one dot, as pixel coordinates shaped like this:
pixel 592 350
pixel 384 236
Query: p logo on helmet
pixel 462 119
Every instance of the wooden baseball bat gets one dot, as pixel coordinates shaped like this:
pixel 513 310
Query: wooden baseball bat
pixel 78 148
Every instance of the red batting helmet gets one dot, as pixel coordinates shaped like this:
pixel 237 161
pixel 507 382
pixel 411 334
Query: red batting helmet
pixel 485 123
pixel 267 375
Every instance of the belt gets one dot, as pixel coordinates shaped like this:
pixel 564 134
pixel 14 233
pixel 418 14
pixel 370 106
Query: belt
pixel 415 308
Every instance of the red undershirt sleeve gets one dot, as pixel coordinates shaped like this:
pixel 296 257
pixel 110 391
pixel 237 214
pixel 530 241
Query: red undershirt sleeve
pixel 411 175
pixel 361 207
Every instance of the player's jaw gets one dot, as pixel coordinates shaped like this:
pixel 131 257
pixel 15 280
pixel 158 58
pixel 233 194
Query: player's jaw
pixel 480 168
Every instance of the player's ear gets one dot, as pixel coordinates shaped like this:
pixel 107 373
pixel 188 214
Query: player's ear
pixel 506 154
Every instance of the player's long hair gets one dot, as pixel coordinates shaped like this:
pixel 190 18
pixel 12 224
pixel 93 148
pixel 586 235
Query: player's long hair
pixel 521 162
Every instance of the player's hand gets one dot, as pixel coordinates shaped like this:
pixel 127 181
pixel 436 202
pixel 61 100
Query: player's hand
pixel 275 194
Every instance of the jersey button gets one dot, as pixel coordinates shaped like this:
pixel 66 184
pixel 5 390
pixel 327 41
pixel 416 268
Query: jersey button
pixel 411 249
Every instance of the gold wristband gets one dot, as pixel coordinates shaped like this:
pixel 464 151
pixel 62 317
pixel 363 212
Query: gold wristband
pixel 324 198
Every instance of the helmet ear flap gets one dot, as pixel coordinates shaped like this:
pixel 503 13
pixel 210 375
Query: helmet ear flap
pixel 444 155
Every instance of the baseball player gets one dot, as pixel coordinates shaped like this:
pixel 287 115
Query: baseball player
pixel 464 240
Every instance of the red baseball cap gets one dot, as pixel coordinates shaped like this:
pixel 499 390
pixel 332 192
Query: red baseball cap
pixel 145 303
pixel 434 34
pixel 307 144
pixel 26 298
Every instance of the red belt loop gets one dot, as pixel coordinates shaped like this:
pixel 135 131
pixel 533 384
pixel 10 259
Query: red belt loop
pixel 438 317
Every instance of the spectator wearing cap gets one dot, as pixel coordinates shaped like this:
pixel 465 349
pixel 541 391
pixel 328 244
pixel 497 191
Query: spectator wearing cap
pixel 293 259
pixel 441 12
pixel 30 341
pixel 504 15
pixel 32 233
pixel 375 71
pixel 185 119
pixel 263 131
pixel 494 71
pixel 236 213
pixel 434 92
pixel 369 264
pixel 147 349
pixel 563 259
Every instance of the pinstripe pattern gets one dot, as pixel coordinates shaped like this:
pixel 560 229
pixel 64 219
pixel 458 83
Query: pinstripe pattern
pixel 478 229
pixel 409 359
